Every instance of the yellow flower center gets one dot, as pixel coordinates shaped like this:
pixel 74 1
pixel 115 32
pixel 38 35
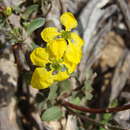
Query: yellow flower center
pixel 65 34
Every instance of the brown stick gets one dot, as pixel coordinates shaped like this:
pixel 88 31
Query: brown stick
pixel 95 110
pixel 95 122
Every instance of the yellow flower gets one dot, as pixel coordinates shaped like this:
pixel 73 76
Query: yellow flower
pixel 72 57
pixel 56 48
pixel 70 66
pixel 60 57
pixel 61 76
pixel 8 11
pixel 73 54
pixel 68 20
pixel 42 78
pixel 75 39
pixel 50 33
pixel 39 56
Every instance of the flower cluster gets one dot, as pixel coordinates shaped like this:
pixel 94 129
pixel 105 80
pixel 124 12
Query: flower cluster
pixel 60 57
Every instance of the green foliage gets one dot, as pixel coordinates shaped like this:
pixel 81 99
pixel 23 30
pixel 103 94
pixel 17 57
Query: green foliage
pixel 34 45
pixel 53 92
pixel 65 86
pixel 107 116
pixel 88 90
pixel 17 9
pixel 2 21
pixel 15 35
pixel 75 101
pixel 105 119
pixel 35 24
pixel 29 10
pixel 114 103
pixel 101 128
pixel 52 113
pixel 41 99
pixel 29 19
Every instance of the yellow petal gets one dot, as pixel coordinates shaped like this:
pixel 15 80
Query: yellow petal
pixel 72 54
pixel 76 39
pixel 42 78
pixel 56 48
pixel 50 33
pixel 71 67
pixel 68 20
pixel 61 76
pixel 39 56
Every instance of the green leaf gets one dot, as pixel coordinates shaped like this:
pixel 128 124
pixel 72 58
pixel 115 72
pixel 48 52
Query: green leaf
pixel 42 105
pixel 52 113
pixel 101 128
pixel 75 101
pixel 87 89
pixel 35 24
pixel 65 86
pixel 52 93
pixel 88 96
pixel 30 10
pixel 88 86
pixel 89 74
pixel 114 103
pixel 34 45
pixel 107 116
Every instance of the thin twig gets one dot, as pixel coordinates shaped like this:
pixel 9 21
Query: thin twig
pixel 94 110
pixel 95 122
pixel 49 9
pixel 16 51
pixel 63 6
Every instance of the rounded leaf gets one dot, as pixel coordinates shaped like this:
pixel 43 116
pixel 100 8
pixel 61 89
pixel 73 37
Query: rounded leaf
pixel 35 24
pixel 52 113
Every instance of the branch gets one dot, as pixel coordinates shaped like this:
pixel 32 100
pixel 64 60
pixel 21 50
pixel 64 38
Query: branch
pixel 94 110
pixel 124 8
pixel 95 122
